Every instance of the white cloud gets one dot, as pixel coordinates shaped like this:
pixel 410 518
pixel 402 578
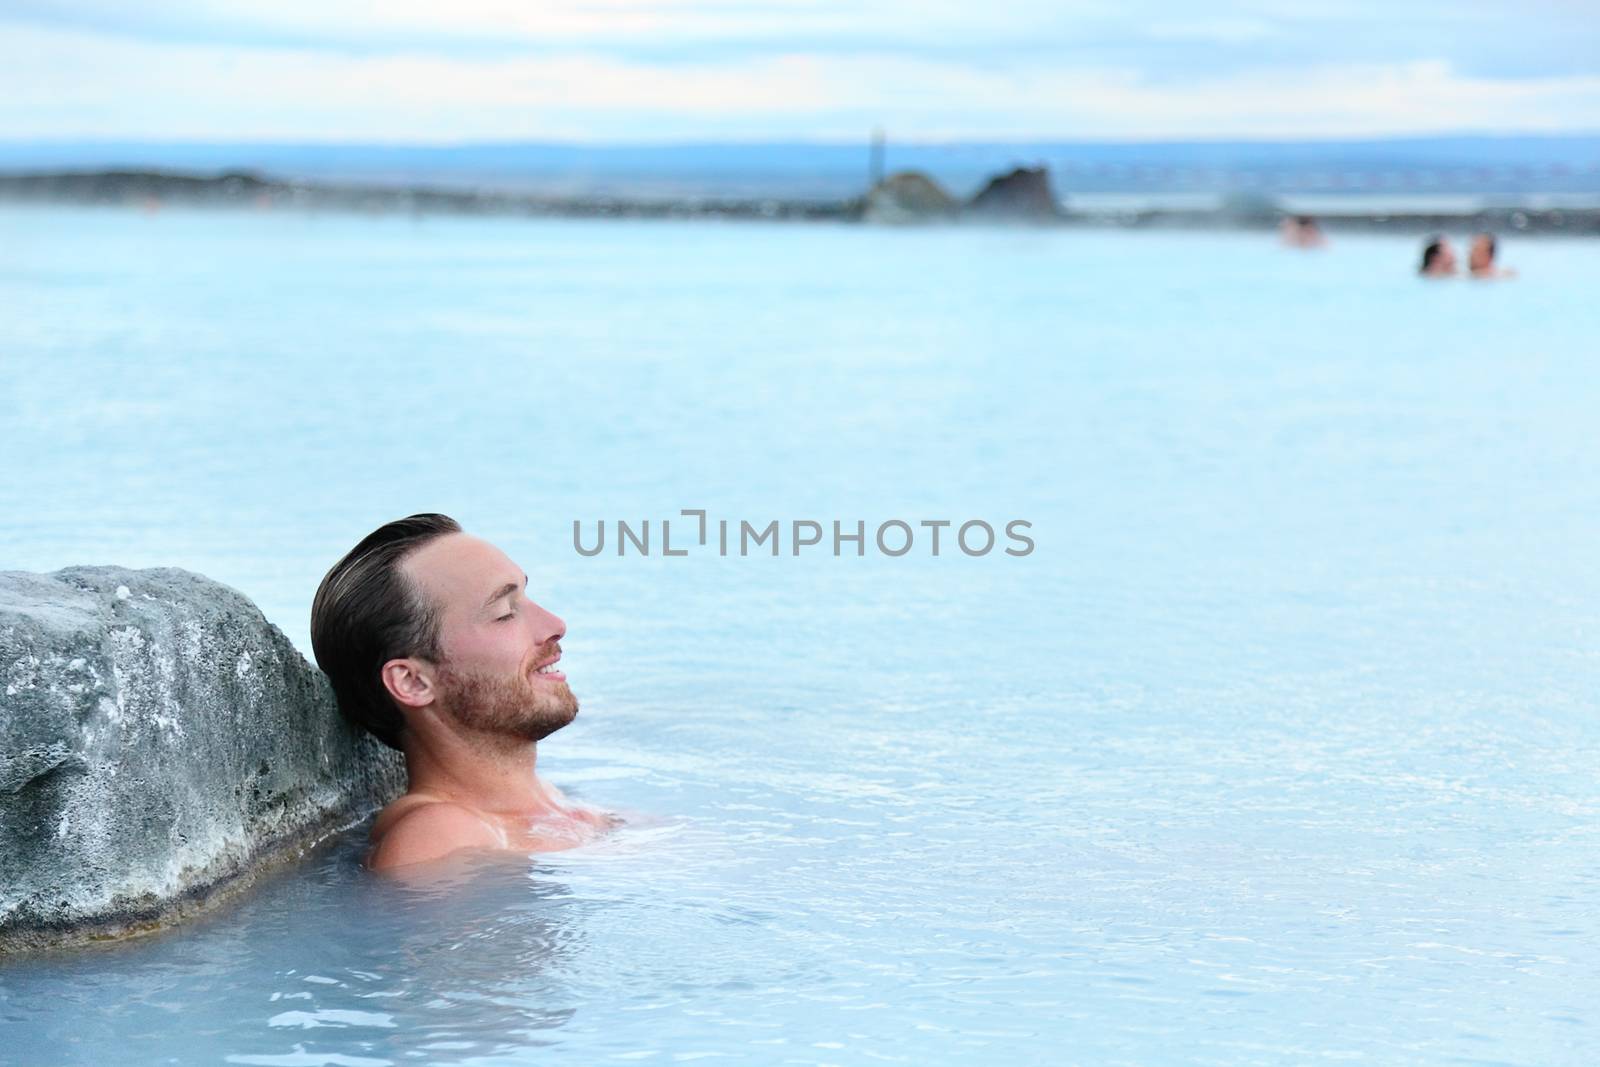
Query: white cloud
pixel 78 85
pixel 1216 30
pixel 600 24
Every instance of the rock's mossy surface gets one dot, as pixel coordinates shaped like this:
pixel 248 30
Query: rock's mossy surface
pixel 160 744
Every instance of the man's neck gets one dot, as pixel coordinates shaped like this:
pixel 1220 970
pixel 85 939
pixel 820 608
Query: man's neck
pixel 499 780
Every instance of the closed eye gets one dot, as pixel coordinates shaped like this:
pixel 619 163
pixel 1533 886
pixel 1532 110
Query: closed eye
pixel 510 594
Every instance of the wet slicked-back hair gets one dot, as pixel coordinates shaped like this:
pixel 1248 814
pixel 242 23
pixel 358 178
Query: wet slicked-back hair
pixel 366 613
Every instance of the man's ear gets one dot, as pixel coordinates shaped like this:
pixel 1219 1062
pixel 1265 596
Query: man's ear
pixel 409 681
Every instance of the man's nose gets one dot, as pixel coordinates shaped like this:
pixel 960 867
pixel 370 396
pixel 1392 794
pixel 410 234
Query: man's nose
pixel 550 627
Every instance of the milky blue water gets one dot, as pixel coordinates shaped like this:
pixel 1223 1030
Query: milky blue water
pixel 1281 746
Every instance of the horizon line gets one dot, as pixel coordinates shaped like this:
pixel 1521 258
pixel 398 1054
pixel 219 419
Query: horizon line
pixel 818 142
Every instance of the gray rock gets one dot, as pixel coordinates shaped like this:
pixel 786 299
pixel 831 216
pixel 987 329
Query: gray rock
pixel 908 197
pixel 161 745
pixel 1021 195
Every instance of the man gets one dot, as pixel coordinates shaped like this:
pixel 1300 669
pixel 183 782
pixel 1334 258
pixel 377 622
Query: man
pixel 1438 259
pixel 1480 259
pixel 433 646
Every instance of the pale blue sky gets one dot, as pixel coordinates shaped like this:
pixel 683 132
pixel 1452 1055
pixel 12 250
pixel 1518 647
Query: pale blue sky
pixel 323 70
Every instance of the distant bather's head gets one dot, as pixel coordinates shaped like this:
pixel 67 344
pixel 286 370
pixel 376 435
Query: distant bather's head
pixel 1481 256
pixel 1438 258
pixel 421 618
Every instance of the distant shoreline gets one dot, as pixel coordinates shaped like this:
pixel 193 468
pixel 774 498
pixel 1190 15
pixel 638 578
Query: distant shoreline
pixel 153 189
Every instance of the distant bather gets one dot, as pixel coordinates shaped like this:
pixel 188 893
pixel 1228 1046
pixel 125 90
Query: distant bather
pixel 1480 259
pixel 1301 231
pixel 1438 259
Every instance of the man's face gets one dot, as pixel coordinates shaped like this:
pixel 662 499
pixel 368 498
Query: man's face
pixel 1481 255
pixel 494 641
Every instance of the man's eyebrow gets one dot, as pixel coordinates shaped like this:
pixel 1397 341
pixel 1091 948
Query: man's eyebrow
pixel 506 590
pixel 503 591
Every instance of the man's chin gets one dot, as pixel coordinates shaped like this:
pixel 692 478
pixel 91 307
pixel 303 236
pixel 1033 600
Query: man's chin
pixel 531 711
pixel 557 694
pixel 559 709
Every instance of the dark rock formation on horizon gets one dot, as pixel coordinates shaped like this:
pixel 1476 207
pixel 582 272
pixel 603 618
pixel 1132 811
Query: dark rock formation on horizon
pixel 908 197
pixel 153 190
pixel 1251 207
pixel 161 744
pixel 1020 195
pixel 119 186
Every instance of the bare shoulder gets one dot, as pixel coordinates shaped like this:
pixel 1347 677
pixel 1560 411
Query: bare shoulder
pixel 391 813
pixel 428 829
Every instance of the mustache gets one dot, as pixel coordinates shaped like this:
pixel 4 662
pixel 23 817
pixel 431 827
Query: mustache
pixel 544 654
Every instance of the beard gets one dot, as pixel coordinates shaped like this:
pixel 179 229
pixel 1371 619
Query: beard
pixel 513 707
